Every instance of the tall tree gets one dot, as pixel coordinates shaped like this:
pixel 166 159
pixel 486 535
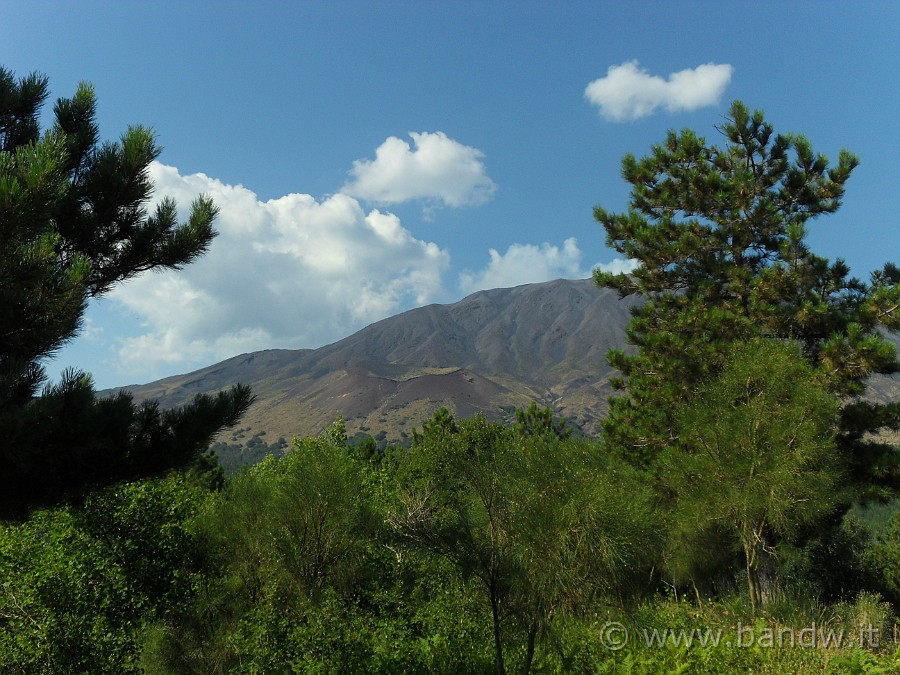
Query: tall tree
pixel 719 232
pixel 73 223
pixel 759 462
pixel 287 547
pixel 543 522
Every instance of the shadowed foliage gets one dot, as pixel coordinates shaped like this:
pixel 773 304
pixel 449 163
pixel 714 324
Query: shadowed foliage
pixel 73 223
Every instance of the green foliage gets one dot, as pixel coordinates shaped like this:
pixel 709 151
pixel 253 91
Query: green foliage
pixel 884 557
pixel 541 522
pixel 441 426
pixel 533 420
pixel 73 223
pixel 675 636
pixel 719 233
pixel 834 562
pixel 284 538
pixel 480 547
pixel 876 516
pixel 68 441
pixel 78 585
pixel 325 561
pixel 868 617
pixel 758 461
pixel 206 472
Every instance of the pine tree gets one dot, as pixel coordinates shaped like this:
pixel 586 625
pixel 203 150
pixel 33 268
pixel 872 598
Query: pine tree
pixel 719 234
pixel 73 223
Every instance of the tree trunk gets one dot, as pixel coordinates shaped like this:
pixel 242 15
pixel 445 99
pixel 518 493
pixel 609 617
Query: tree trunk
pixel 529 652
pixel 752 550
pixel 754 588
pixel 498 642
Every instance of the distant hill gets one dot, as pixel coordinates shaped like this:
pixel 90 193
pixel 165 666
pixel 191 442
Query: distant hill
pixel 491 352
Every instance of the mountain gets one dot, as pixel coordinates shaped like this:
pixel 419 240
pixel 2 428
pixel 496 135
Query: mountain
pixel 491 352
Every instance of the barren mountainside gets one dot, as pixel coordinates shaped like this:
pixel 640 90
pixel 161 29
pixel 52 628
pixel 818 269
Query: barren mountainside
pixel 491 352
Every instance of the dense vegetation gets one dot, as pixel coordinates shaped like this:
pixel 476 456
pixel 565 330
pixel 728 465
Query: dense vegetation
pixel 482 548
pixel 711 529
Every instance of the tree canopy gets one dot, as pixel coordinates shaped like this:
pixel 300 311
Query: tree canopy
pixel 719 234
pixel 760 461
pixel 538 518
pixel 73 223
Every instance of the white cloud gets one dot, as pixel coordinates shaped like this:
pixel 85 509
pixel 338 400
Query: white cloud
pixel 629 92
pixel 527 264
pixel 619 266
pixel 302 272
pixel 438 169
pixel 90 331
pixel 290 272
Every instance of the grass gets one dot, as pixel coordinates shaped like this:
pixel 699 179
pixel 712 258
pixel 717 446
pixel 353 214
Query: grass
pixel 793 634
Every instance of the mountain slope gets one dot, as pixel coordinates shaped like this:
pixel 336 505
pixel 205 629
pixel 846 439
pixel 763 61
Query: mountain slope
pixel 491 352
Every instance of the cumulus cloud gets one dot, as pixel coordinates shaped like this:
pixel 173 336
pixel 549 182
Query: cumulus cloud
pixel 527 264
pixel 438 169
pixel 90 331
pixel 628 92
pixel 298 271
pixel 619 266
pixel 290 272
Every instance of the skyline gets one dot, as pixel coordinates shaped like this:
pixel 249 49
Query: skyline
pixel 368 158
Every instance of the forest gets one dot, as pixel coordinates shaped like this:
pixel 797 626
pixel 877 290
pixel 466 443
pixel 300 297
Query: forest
pixel 737 513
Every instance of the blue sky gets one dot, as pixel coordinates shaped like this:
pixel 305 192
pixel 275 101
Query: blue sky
pixel 372 157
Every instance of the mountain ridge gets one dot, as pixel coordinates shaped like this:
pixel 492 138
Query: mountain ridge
pixel 490 352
